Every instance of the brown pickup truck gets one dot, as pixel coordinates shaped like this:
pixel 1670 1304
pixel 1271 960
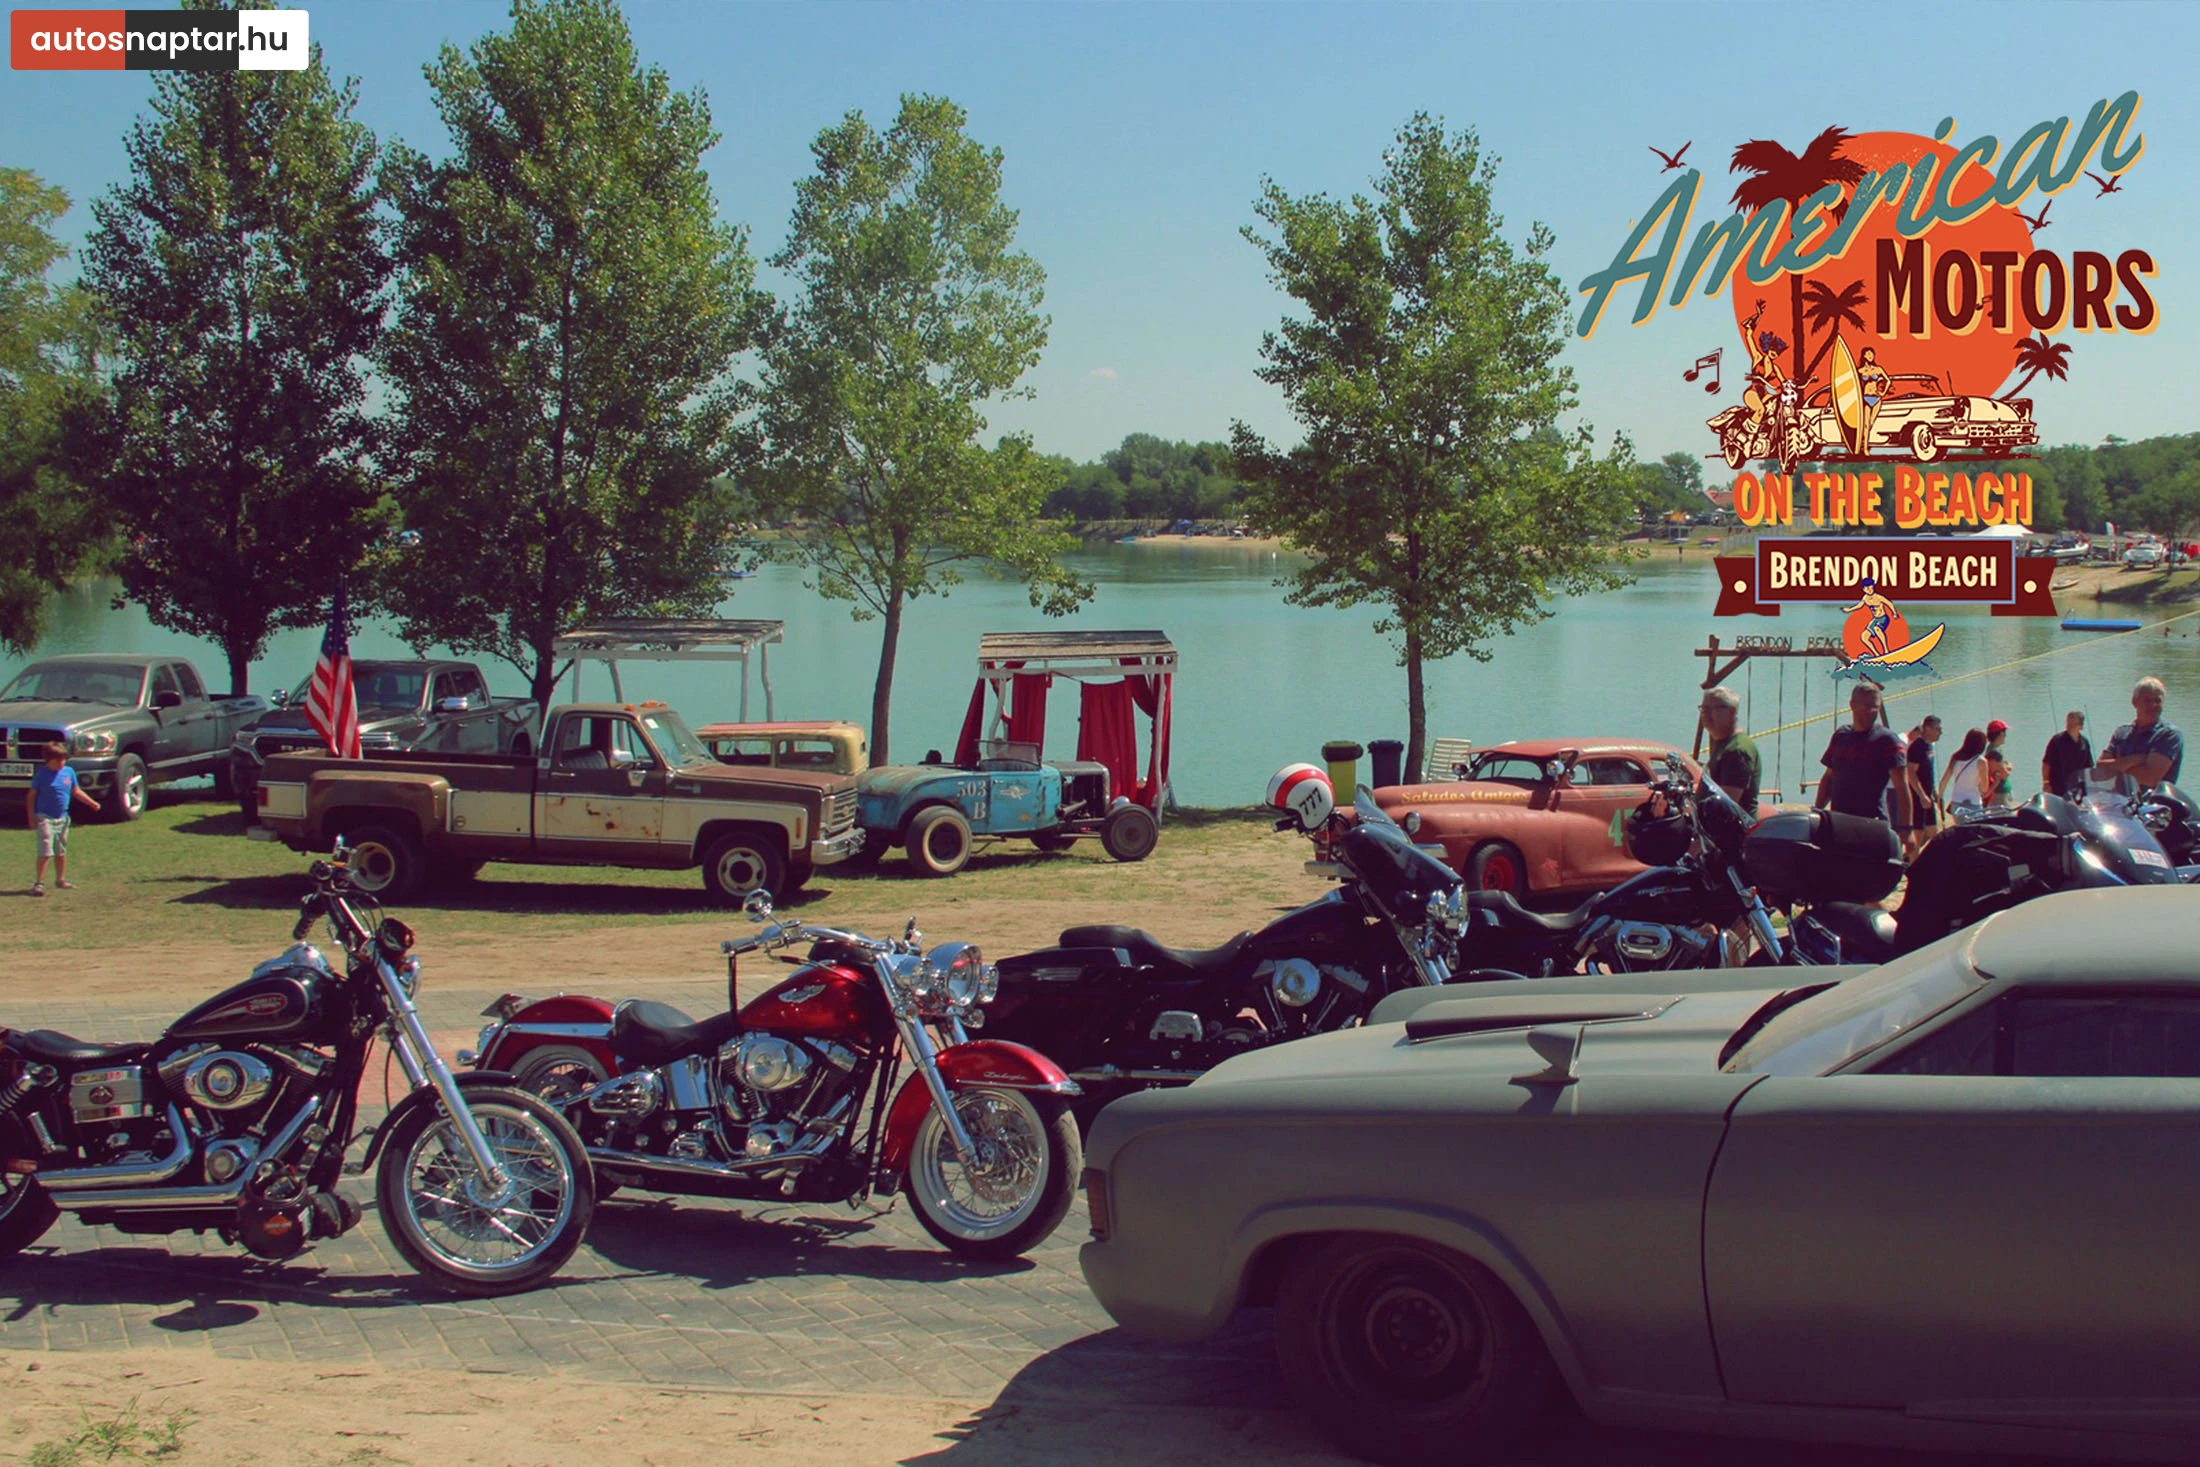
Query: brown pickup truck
pixel 615 784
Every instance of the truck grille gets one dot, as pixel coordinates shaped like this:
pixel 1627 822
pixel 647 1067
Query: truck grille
pixel 25 743
pixel 840 811
pixel 270 744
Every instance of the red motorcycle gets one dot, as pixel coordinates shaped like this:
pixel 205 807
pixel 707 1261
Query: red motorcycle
pixel 793 1097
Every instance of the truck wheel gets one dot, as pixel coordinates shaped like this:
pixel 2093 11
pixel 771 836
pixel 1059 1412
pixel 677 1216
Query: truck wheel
pixel 224 787
pixel 385 861
pixel 126 801
pixel 939 841
pixel 1130 832
pixel 1052 842
pixel 248 800
pixel 742 862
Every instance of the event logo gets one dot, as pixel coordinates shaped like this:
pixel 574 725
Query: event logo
pixel 158 40
pixel 1894 309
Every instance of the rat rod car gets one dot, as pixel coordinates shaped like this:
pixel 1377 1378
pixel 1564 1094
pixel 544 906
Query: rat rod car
pixel 1944 1202
pixel 934 810
pixel 1536 815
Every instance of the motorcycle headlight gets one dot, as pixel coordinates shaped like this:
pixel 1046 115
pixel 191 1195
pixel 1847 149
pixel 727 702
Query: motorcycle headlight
pixel 1447 909
pixel 914 975
pixel 960 972
pixel 91 741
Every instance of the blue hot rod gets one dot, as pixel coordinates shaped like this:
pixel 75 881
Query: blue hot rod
pixel 936 809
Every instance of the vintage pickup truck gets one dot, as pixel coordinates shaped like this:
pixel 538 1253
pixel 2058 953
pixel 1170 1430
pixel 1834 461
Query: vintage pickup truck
pixel 429 707
pixel 130 722
pixel 615 784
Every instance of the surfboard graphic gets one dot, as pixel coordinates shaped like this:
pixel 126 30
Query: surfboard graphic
pixel 1848 396
pixel 1908 652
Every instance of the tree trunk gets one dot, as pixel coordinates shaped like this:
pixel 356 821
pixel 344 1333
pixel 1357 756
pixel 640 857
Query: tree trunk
pixel 545 680
pixel 240 666
pixel 882 692
pixel 1416 709
pixel 2024 382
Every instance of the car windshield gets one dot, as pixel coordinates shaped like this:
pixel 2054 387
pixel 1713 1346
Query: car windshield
pixel 675 740
pixel 386 685
pixel 1508 768
pixel 1825 1031
pixel 75 682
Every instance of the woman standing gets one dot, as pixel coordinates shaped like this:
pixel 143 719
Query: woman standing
pixel 1963 775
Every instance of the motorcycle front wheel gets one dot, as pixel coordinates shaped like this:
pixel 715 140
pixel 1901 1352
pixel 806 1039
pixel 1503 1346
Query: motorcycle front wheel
pixel 1022 1182
pixel 25 1212
pixel 456 1231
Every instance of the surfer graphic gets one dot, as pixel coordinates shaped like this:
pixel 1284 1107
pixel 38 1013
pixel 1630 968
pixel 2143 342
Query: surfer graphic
pixel 1765 375
pixel 1882 616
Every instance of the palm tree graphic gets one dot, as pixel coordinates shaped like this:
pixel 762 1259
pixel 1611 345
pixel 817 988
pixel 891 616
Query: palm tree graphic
pixel 2036 354
pixel 1776 175
pixel 1826 311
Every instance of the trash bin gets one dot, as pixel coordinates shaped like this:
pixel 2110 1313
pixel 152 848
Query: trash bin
pixel 1343 758
pixel 1386 761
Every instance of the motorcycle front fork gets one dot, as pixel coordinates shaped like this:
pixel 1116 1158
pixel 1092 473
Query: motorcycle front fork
pixel 423 1066
pixel 926 1055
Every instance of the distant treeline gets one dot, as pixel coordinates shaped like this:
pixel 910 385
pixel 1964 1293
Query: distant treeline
pixel 1149 478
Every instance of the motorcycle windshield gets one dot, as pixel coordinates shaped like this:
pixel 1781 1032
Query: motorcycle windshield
pixel 2126 847
pixel 1396 872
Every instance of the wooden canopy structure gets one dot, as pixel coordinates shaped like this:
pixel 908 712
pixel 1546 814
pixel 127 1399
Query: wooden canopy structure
pixel 1120 673
pixel 619 639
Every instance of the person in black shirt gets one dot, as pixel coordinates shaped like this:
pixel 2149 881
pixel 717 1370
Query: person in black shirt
pixel 1866 765
pixel 2069 755
pixel 1925 813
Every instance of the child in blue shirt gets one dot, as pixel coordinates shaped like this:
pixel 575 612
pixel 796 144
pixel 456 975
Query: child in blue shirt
pixel 46 809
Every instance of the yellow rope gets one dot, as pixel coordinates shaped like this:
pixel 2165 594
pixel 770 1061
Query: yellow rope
pixel 1890 695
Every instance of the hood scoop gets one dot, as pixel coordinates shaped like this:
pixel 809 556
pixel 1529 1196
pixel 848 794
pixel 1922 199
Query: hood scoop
pixel 1452 1017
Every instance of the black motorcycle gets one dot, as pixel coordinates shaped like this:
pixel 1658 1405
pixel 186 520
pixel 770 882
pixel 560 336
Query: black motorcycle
pixel 1698 905
pixel 239 1117
pixel 1122 1011
pixel 1985 864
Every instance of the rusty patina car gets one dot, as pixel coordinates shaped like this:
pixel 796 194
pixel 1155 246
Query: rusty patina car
pixel 1539 815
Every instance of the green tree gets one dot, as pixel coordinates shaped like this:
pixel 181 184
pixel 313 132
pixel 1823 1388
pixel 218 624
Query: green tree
pixel 50 531
pixel 915 309
pixel 2171 505
pixel 572 309
pixel 242 273
pixel 1424 372
pixel 1778 176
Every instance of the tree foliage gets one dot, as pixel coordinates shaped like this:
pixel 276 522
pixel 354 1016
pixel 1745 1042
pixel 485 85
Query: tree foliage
pixel 49 532
pixel 572 309
pixel 1149 478
pixel 1424 370
pixel 242 274
pixel 915 309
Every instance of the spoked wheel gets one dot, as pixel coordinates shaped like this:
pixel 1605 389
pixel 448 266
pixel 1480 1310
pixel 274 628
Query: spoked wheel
pixel 25 1212
pixel 1019 1188
pixel 559 1072
pixel 458 1231
pixel 1408 1353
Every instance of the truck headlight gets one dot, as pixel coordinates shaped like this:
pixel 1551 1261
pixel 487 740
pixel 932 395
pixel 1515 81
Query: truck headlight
pixel 91 741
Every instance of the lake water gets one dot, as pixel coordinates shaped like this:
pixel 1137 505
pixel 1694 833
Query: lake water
pixel 1264 684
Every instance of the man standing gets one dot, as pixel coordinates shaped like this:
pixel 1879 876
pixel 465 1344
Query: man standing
pixel 1732 759
pixel 1927 814
pixel 1865 763
pixel 2148 750
pixel 2069 755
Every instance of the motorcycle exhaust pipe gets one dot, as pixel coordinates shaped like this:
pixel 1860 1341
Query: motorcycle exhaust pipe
pixel 676 1166
pixel 212 1199
pixel 124 1174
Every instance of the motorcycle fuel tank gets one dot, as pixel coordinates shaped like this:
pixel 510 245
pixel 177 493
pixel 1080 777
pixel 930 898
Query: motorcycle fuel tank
pixel 1675 895
pixel 822 1002
pixel 279 1003
pixel 1332 928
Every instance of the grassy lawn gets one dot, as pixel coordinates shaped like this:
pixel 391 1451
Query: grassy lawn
pixel 186 874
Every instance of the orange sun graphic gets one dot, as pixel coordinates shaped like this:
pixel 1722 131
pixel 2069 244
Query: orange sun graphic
pixel 1852 632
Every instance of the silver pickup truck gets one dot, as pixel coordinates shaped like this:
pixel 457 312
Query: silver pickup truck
pixel 129 722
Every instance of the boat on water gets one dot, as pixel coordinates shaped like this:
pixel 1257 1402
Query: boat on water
pixel 2099 624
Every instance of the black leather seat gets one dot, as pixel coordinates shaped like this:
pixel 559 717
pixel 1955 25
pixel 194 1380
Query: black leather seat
pixel 1146 952
pixel 1868 934
pixel 1500 909
pixel 657 1033
pixel 53 1048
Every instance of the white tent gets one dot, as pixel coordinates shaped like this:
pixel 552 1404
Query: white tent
pixel 1999 532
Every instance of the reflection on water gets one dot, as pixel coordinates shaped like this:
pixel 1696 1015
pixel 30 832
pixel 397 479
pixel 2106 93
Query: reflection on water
pixel 1264 683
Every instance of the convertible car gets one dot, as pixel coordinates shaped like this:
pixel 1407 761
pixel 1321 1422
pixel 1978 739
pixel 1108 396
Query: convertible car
pixel 1922 418
pixel 1947 1202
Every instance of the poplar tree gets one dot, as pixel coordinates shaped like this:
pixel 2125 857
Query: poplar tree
pixel 241 273
pixel 1433 480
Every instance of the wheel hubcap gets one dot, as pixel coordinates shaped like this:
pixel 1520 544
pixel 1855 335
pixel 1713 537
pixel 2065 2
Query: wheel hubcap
pixel 741 870
pixel 371 866
pixel 1407 1333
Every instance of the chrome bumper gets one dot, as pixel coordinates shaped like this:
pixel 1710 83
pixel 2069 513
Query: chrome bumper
pixel 826 850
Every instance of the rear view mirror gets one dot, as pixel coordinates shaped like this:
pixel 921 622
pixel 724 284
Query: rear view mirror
pixel 167 698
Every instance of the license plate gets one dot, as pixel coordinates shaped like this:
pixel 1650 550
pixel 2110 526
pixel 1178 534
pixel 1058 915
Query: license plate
pixel 2150 858
pixel 15 771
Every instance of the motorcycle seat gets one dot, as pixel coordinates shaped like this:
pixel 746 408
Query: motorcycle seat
pixel 1868 934
pixel 49 1047
pixel 1147 952
pixel 1502 910
pixel 650 1033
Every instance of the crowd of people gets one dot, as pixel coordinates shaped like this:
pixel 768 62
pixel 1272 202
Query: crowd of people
pixel 1872 771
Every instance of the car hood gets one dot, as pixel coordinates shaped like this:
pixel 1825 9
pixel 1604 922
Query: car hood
pixel 900 779
pixel 1622 1034
pixel 1458 792
pixel 730 779
pixel 60 714
pixel 293 719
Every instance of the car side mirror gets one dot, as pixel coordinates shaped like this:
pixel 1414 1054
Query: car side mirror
pixel 454 705
pixel 1554 770
pixel 634 775
pixel 281 698
pixel 167 698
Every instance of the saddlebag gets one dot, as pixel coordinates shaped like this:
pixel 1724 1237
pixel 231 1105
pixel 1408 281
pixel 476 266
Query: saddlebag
pixel 1822 856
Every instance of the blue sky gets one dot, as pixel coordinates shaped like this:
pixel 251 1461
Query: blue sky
pixel 1136 137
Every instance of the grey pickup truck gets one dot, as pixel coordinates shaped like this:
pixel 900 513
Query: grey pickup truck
pixel 130 722
pixel 613 784
pixel 430 707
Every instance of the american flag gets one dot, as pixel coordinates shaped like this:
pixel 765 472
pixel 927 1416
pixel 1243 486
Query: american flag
pixel 330 706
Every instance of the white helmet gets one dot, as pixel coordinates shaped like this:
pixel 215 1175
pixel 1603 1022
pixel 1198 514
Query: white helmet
pixel 1302 789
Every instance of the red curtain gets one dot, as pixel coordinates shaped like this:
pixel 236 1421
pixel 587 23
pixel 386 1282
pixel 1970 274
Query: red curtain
pixel 966 745
pixel 1107 734
pixel 1155 695
pixel 1027 708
